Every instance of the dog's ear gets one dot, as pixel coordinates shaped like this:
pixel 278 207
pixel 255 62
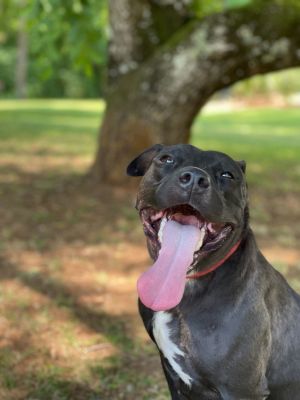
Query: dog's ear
pixel 242 165
pixel 140 164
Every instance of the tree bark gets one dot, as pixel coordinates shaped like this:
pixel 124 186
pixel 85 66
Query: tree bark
pixel 21 60
pixel 157 99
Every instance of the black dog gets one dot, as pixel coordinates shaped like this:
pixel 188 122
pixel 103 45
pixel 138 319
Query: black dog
pixel 227 324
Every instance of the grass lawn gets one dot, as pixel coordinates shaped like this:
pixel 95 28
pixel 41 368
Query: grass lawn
pixel 268 139
pixel 70 252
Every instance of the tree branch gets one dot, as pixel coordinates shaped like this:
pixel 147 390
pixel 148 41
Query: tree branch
pixel 208 55
pixel 138 27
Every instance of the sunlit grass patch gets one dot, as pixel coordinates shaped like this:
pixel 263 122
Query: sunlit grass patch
pixel 61 135
pixel 53 104
pixel 268 139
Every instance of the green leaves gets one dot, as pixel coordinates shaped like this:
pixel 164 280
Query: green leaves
pixel 67 45
pixel 74 29
pixel 202 8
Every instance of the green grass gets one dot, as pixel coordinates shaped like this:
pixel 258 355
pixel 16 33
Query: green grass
pixel 268 139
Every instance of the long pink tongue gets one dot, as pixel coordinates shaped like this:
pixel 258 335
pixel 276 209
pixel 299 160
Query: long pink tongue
pixel 161 287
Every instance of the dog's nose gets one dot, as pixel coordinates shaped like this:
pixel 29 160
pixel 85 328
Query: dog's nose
pixel 198 178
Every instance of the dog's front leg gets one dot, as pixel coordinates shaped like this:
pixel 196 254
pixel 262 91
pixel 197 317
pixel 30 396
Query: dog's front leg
pixel 173 382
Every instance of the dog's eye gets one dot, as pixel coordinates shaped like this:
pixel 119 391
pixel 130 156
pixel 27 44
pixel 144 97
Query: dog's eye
pixel 227 175
pixel 166 159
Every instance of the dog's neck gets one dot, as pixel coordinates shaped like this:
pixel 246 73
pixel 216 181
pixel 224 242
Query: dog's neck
pixel 231 270
pixel 216 265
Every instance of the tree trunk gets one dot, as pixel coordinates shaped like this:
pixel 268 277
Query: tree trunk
pixel 127 130
pixel 21 60
pixel 142 110
pixel 156 98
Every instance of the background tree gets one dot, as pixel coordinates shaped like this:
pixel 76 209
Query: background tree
pixel 166 58
pixel 54 48
pixel 22 56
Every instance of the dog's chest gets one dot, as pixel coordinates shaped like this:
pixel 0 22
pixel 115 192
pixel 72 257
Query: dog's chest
pixel 165 339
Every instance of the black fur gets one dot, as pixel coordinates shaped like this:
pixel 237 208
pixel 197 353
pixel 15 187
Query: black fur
pixel 239 326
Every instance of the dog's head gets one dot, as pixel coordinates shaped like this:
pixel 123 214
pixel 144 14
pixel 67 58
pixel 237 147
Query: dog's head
pixel 205 189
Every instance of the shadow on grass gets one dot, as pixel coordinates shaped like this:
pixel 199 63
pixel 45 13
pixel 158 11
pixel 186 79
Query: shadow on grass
pixel 50 209
pixel 133 373
pixel 43 212
pixel 128 377
pixel 112 327
pixel 52 387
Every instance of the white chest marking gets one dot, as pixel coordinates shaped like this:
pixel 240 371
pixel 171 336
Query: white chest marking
pixel 170 350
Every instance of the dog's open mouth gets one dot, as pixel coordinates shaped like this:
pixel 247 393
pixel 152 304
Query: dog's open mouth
pixel 212 236
pixel 179 237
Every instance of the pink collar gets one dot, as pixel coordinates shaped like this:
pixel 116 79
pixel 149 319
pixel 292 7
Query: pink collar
pixel 215 266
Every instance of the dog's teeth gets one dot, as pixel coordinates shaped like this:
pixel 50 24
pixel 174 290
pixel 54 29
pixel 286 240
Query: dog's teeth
pixel 200 242
pixel 210 227
pixel 156 216
pixel 161 228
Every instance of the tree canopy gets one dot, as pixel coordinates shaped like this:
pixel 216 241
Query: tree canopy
pixel 67 41
pixel 66 46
